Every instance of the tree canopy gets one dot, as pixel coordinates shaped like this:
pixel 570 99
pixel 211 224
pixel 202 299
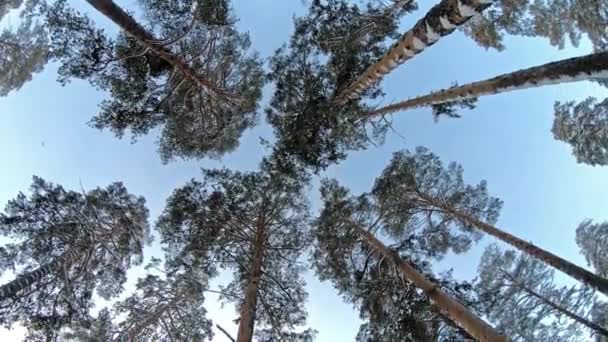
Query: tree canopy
pixel 68 245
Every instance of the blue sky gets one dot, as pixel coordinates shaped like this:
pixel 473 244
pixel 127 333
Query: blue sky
pixel 506 140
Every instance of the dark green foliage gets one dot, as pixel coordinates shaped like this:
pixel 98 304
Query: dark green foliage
pixel 407 190
pixel 584 126
pixel 147 92
pixel 105 228
pixel 397 210
pixel 507 281
pixel 334 43
pixel 557 20
pixel 222 216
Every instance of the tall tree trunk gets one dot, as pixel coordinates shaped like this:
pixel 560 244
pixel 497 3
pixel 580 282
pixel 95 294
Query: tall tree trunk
pixel 248 310
pixel 568 70
pixel 440 21
pixel 456 311
pixel 549 258
pixel 448 321
pixel 134 29
pixel 563 310
pixel 27 279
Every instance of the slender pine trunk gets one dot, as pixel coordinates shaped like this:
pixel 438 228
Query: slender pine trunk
pixel 456 311
pixel 440 21
pixel 565 311
pixel 27 279
pixel 121 18
pixel 248 310
pixel 568 70
pixel 549 258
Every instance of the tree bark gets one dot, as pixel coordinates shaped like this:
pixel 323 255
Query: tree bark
pixel 564 311
pixel 456 311
pixel 448 321
pixel 549 258
pixel 121 18
pixel 248 310
pixel 568 70
pixel 27 279
pixel 440 21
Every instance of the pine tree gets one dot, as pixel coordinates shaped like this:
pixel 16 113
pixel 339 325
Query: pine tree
pixel 158 82
pixel 66 245
pixel 23 50
pixel 589 67
pixel 556 20
pixel 518 293
pixel 385 281
pixel 331 45
pixel 440 21
pixel 592 240
pixel 581 125
pixel 166 307
pixel 413 176
pixel 254 223
pixel 584 126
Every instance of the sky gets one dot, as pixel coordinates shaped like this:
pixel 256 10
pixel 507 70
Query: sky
pixel 506 140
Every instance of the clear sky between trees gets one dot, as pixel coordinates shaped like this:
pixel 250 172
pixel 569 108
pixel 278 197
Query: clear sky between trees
pixel 317 215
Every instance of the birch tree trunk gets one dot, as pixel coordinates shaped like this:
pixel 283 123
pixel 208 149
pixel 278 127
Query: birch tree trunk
pixel 121 18
pixel 248 310
pixel 549 258
pixel 440 21
pixel 27 279
pixel 456 311
pixel 593 66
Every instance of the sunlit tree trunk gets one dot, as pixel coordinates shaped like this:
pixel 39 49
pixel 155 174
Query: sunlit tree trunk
pixel 456 311
pixel 440 21
pixel 593 66
pixel 121 18
pixel 248 310
pixel 27 279
pixel 549 258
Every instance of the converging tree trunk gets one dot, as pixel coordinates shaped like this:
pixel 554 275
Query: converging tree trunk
pixel 248 310
pixel 27 279
pixel 593 66
pixel 560 308
pixel 440 21
pixel 456 311
pixel 134 29
pixel 549 258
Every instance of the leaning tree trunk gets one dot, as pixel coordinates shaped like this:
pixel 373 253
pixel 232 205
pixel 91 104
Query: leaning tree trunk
pixel 456 311
pixel 440 21
pixel 593 66
pixel 549 258
pixel 248 310
pixel 27 279
pixel 563 310
pixel 134 29
pixel 448 321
